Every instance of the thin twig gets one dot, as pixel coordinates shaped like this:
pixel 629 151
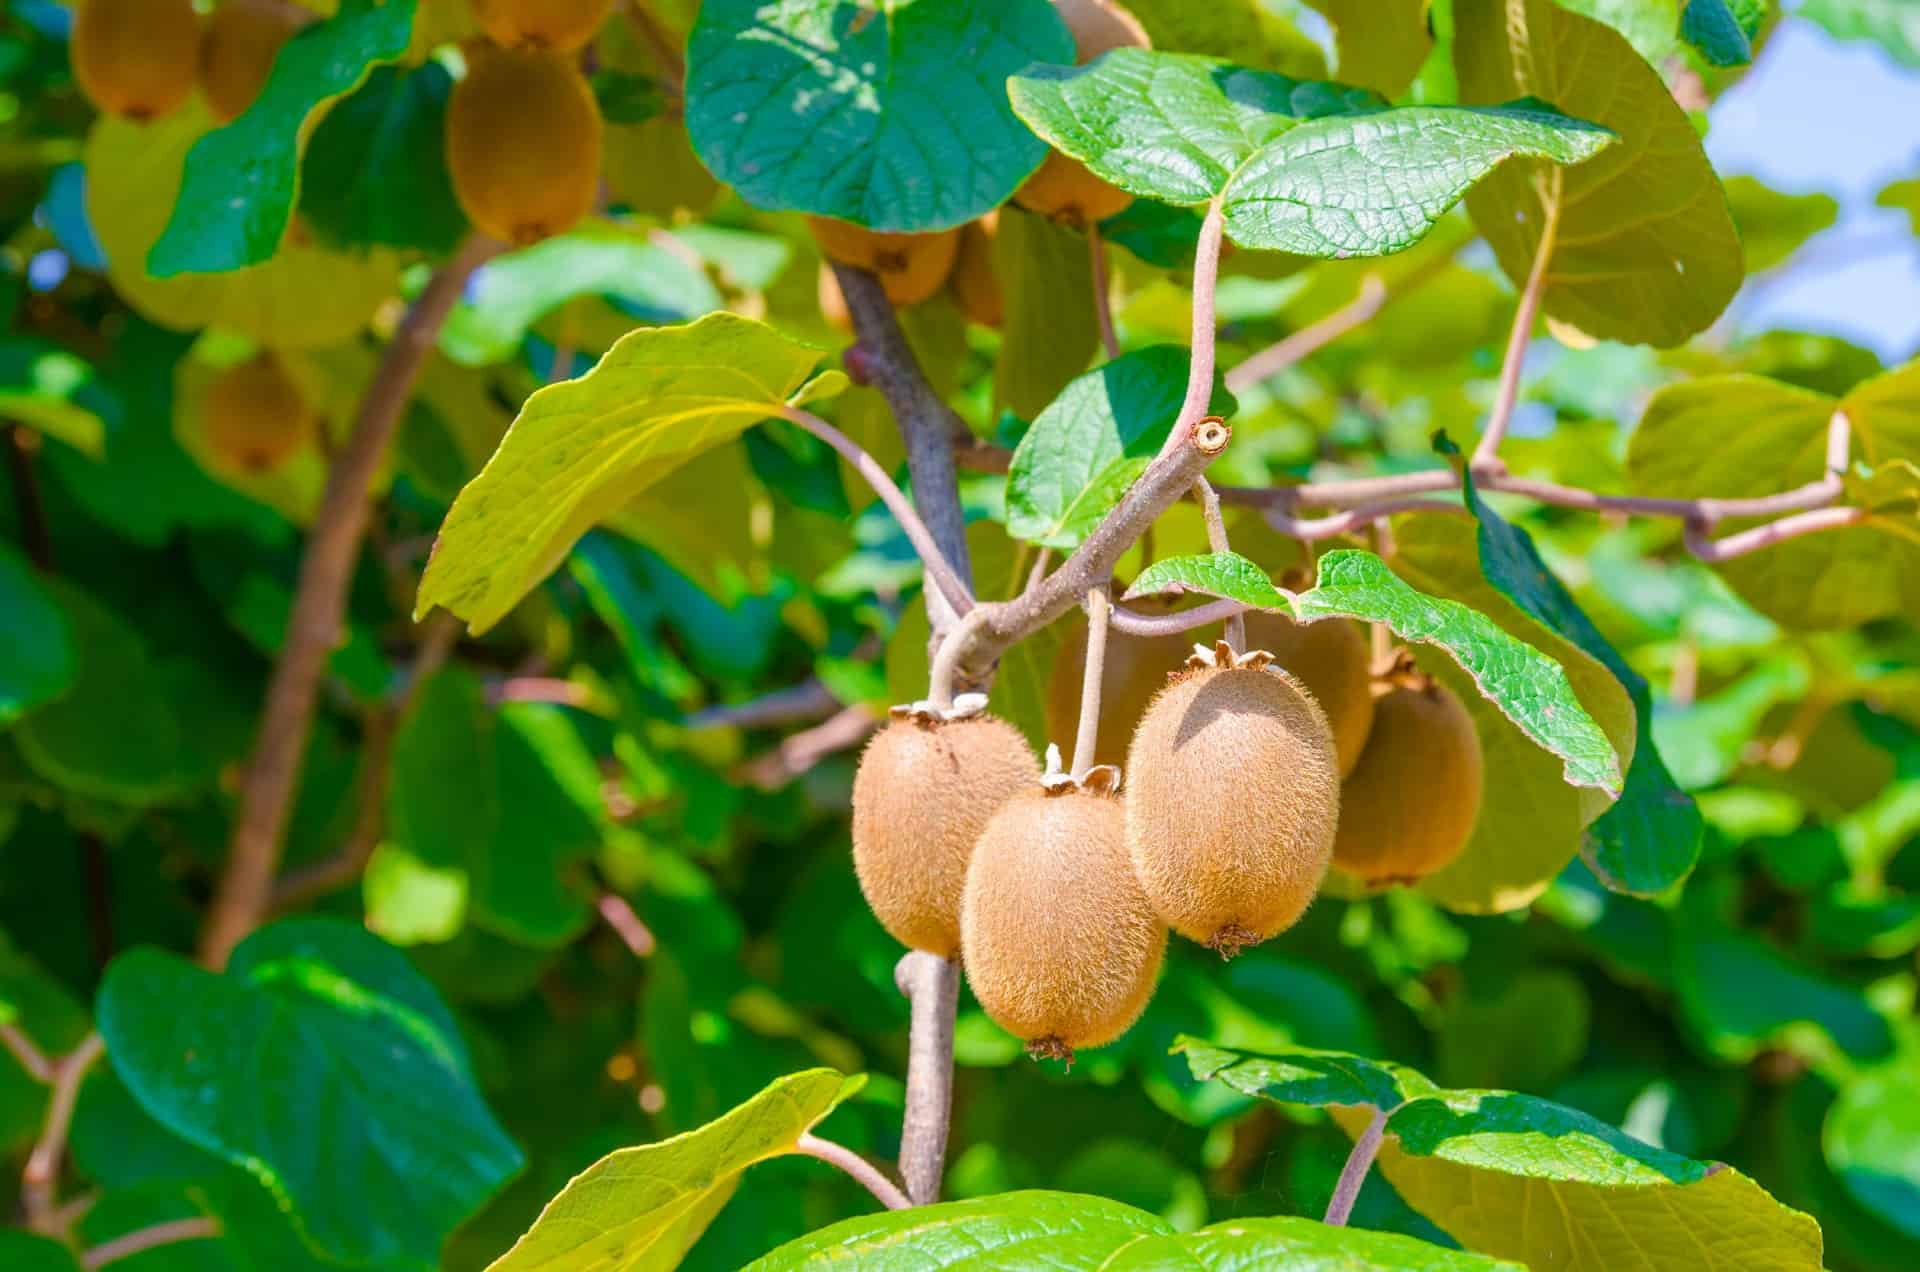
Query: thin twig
pixel 40 1180
pixel 957 594
pixel 1311 530
pixel 1735 545
pixel 548 689
pixel 1312 338
pixel 1354 1173
pixel 932 987
pixel 1134 623
pixel 627 925
pixel 864 1172
pixel 1087 740
pixel 23 1049
pixel 1236 628
pixel 160 1234
pixel 803 703
pixel 245 892
pixel 653 33
pixel 1102 292
pixel 1486 455
pixel 795 755
pixel 21 448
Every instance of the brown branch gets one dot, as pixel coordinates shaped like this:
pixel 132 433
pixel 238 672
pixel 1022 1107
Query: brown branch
pixel 245 892
pixel 40 1180
pixel 1310 339
pixel 1134 623
pixel 803 703
pixel 1486 456
pixel 627 925
pixel 1735 545
pixel 1354 1174
pixel 932 987
pixel 843 731
pixel 1099 606
pixel 1236 628
pixel 864 1172
pixel 548 689
pixel 138 1242
pixel 29 1055
pixel 1102 292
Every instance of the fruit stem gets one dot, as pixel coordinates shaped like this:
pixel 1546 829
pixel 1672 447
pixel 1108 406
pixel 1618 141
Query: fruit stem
pixel 946 662
pixel 939 570
pixel 932 987
pixel 1354 1173
pixel 1486 455
pixel 141 1240
pixel 1236 628
pixel 1087 739
pixel 863 1172
pixel 1102 295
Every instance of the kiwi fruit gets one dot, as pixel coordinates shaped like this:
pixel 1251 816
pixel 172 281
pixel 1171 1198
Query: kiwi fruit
pixel 237 50
pixel 1409 806
pixel 1234 794
pixel 523 143
pixel 975 287
pixel 1060 945
pixel 924 790
pixel 561 25
pixel 136 58
pixel 1135 671
pixel 255 415
pixel 1062 188
pixel 1099 25
pixel 1330 658
pixel 911 267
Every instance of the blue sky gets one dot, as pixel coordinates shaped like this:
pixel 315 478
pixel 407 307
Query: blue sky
pixel 1841 117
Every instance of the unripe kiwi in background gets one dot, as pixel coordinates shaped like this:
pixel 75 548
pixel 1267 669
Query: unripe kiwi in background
pixel 911 267
pixel 833 304
pixel 136 58
pixel 1331 659
pixel 255 416
pixel 1233 792
pixel 1060 945
pixel 237 51
pixel 563 25
pixel 1134 672
pixel 1063 189
pixel 975 287
pixel 523 143
pixel 1410 805
pixel 922 794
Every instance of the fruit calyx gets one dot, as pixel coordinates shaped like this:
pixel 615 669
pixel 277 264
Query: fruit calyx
pixel 965 706
pixel 1051 1049
pixel 1397 670
pixel 1230 940
pixel 1101 779
pixel 1223 656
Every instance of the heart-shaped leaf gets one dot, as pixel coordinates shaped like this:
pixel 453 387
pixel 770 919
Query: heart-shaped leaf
pixel 40 659
pixel 329 1069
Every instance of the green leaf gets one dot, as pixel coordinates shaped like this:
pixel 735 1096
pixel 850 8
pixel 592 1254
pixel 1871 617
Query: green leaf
pixel 1050 332
pixel 1596 1199
pixel 376 169
pixel 641 1208
pixel 1224 574
pixel 580 451
pixel 1646 250
pixel 1773 226
pixel 24 1252
pixel 1076 462
pixel 241 181
pixel 513 292
pixel 1871 1139
pixel 388 1146
pixel 1378 45
pixel 114 735
pixel 1650 839
pixel 40 661
pixel 1300 166
pixel 1892 24
pixel 1530 688
pixel 1723 30
pixel 843 110
pixel 47 388
pixel 1905 196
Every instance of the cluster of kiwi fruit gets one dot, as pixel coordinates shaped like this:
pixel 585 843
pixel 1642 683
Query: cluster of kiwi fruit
pixel 142 59
pixel 1247 776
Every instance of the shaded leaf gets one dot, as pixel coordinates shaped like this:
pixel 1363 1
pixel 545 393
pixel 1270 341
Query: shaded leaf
pixel 1723 30
pixel 1049 332
pixel 1871 1139
pixel 1892 24
pixel 1224 574
pixel 40 664
pixel 1378 45
pixel 376 170
pixel 24 1252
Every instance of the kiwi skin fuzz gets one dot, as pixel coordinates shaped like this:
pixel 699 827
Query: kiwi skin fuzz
pixel 1060 944
pixel 1410 806
pixel 1331 659
pixel 523 143
pixel 1135 671
pixel 562 25
pixel 237 52
pixel 922 794
pixel 1233 797
pixel 910 267
pixel 975 287
pixel 138 59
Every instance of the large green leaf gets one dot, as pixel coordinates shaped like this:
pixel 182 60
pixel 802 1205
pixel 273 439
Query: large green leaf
pixel 843 110
pixel 1311 168
pixel 1773 226
pixel 1379 44
pixel 1650 838
pixel 1871 1139
pixel 114 735
pixel 1645 249
pixel 1892 24
pixel 1094 441
pixel 1523 1178
pixel 1223 574
pixel 40 661
pixel 324 1065
pixel 376 169
pixel 1723 30
pixel 241 181
pixel 1014 1231
pixel 581 450
pixel 24 1252
pixel 641 1208
pixel 1050 331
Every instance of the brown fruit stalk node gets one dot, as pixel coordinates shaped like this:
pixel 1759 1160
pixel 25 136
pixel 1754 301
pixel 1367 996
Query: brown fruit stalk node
pixel 926 787
pixel 1234 799
pixel 1060 944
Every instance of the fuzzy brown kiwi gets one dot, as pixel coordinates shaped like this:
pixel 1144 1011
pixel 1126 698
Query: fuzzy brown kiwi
pixel 1233 796
pixel 256 417
pixel 1135 671
pixel 523 143
pixel 911 267
pixel 136 58
pixel 1331 659
pixel 923 792
pixel 1063 189
pixel 562 25
pixel 975 287
pixel 1060 945
pixel 237 50
pixel 1410 805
